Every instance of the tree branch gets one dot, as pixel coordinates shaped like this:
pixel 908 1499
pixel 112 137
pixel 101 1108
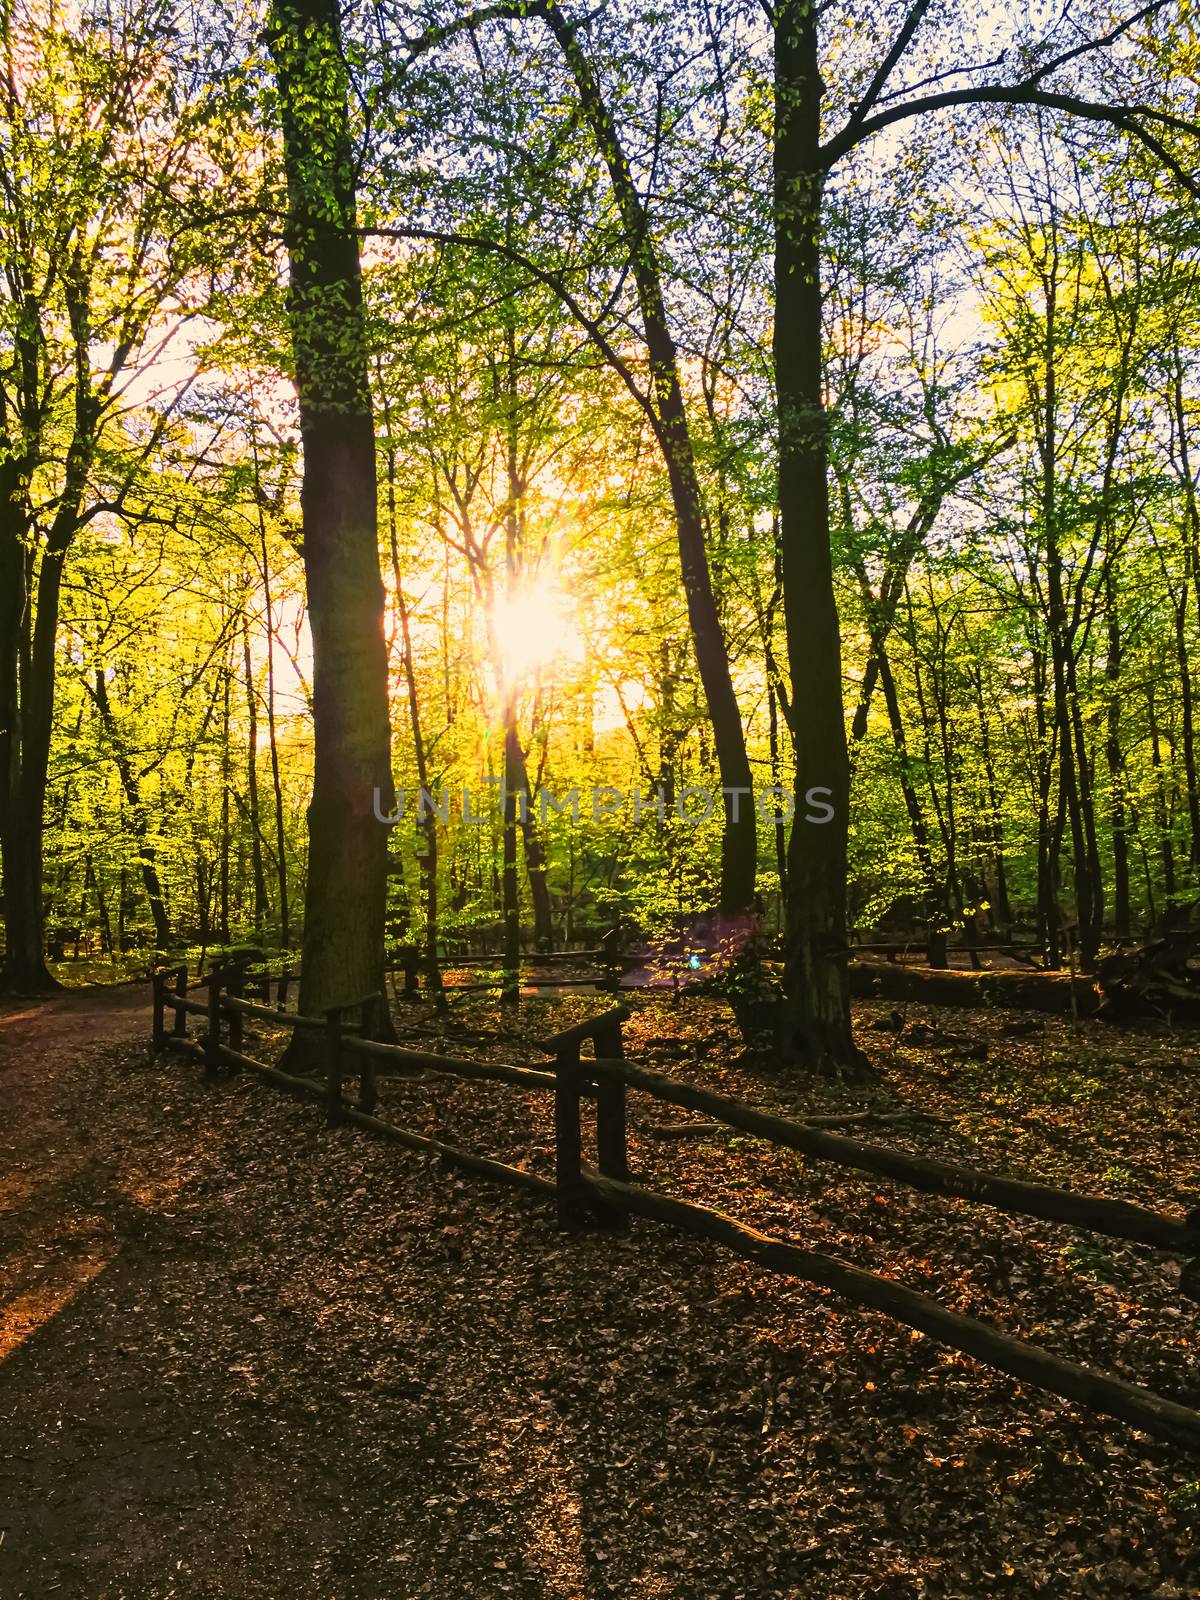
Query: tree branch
pixel 552 282
pixel 1025 93
pixel 899 45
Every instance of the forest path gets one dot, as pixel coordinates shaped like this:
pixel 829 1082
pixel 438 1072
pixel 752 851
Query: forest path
pixel 245 1355
pixel 49 1249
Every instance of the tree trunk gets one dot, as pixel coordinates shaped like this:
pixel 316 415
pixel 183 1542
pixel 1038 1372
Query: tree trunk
pixel 281 873
pixel 739 850
pixel 136 821
pixel 511 896
pixel 226 790
pixel 257 869
pixel 1003 910
pixel 1118 821
pixel 346 891
pixel 428 820
pixel 1162 817
pixel 817 999
pixel 1188 729
pixel 26 716
pixel 936 911
pixel 531 838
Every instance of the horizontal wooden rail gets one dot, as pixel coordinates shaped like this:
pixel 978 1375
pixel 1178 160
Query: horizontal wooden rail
pixel 584 1030
pixel 1144 1409
pixel 450 1153
pixel 291 1019
pixel 549 958
pixel 523 1077
pixel 309 1088
pixel 181 1002
pixel 1095 1391
pixel 916 946
pixel 1120 1219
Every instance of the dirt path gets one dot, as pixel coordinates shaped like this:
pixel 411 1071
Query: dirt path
pixel 51 1246
pixel 246 1356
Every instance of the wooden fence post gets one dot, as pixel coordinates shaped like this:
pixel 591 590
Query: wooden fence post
pixel 568 1153
pixel 368 1088
pixel 159 1037
pixel 333 1067
pixel 610 956
pixel 212 1044
pixel 611 1148
pixel 612 1151
pixel 179 1026
pixel 236 988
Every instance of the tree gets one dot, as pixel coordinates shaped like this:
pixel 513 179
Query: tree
pixel 346 893
pixel 815 980
pixel 101 156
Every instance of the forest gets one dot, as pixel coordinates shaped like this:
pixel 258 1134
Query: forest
pixel 571 279
pixel 501 502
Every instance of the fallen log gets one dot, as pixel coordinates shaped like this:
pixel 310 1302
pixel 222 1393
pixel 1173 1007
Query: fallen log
pixel 1000 990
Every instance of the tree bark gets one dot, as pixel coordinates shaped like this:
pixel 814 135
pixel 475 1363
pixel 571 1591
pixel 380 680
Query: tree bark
pixel 137 822
pixel 817 999
pixel 514 773
pixel 346 889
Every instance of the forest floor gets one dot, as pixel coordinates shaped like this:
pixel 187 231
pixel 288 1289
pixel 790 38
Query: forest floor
pixel 243 1355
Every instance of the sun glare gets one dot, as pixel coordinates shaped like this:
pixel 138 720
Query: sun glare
pixel 531 629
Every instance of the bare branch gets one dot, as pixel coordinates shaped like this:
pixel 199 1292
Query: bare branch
pixel 1025 93
pixel 888 65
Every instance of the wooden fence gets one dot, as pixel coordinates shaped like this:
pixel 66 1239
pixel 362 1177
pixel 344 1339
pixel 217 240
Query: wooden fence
pixel 604 1195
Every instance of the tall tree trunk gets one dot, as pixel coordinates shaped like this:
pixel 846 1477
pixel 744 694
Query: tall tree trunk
pixel 1118 819
pixel 26 717
pixel 1187 719
pixel 531 839
pixel 779 826
pixel 739 851
pixel 1090 872
pixel 1048 829
pixel 136 820
pixel 106 934
pixel 936 911
pixel 817 1004
pixel 24 961
pixel 1162 816
pixel 516 771
pixel 514 775
pixel 346 892
pixel 1003 910
pixel 257 869
pixel 226 792
pixel 427 819
pixel 281 871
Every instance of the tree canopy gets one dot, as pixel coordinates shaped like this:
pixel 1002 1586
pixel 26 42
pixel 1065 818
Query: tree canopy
pixel 775 428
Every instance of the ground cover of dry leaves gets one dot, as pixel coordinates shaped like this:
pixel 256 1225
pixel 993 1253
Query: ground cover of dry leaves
pixel 243 1355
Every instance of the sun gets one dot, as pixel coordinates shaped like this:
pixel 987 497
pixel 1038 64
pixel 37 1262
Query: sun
pixel 531 629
